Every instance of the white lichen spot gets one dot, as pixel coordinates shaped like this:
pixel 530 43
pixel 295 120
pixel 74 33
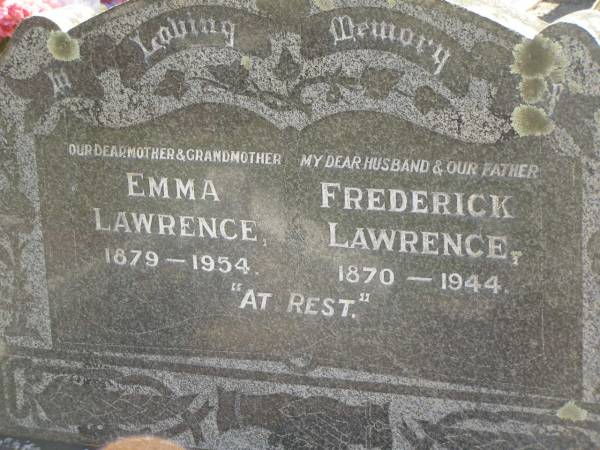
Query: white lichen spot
pixel 325 5
pixel 531 121
pixel 246 63
pixel 538 57
pixel 62 46
pixel 533 90
pixel 570 411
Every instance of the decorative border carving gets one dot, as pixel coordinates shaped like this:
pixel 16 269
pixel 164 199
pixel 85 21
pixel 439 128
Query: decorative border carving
pixel 24 309
pixel 218 413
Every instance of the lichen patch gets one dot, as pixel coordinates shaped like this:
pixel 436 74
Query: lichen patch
pixel 537 57
pixel 531 121
pixel 570 411
pixel 62 46
pixel 542 66
pixel 325 5
pixel 533 90
pixel 246 62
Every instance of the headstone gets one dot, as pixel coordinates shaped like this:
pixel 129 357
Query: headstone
pixel 328 224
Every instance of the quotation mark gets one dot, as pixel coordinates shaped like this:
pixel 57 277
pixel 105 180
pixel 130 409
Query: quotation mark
pixel 364 297
pixel 236 287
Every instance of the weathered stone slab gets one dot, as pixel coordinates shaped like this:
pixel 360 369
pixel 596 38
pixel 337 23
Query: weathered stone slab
pixel 341 224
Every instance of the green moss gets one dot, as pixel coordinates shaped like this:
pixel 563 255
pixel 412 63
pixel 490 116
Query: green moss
pixel 536 58
pixel 62 47
pixel 533 90
pixel 570 411
pixel 531 121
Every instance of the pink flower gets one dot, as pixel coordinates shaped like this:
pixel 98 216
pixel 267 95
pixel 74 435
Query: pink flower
pixel 10 17
pixel 111 3
pixel 12 12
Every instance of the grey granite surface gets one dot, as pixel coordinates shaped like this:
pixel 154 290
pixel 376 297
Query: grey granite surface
pixel 328 224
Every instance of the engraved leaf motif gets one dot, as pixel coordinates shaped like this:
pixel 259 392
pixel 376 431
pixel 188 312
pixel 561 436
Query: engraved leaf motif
pixel 172 85
pixel 232 75
pixel 344 426
pixel 109 401
pixel 313 422
pixel 336 80
pixel 334 94
pixel 287 68
pixel 426 99
pixel 379 83
pixel 449 432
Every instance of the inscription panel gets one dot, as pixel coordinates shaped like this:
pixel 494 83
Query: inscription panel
pixel 417 257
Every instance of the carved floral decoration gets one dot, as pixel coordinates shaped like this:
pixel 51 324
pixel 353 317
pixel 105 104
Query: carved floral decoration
pixel 375 83
pixel 16 222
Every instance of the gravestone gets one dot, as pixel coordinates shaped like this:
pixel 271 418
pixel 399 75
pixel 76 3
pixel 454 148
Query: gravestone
pixel 328 224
